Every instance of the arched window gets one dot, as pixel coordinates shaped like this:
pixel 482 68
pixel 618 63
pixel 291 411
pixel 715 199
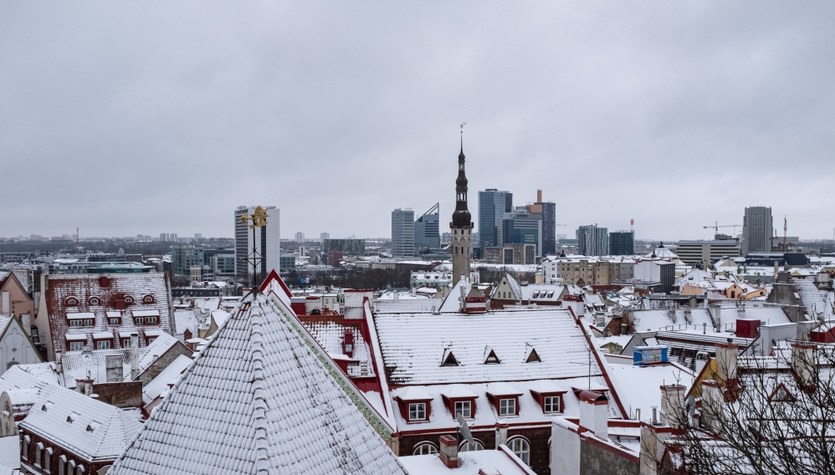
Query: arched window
pixel 38 454
pixel 425 448
pixel 80 470
pixel 521 447
pixel 71 301
pixel 149 299
pixel 47 460
pixel 24 447
pixel 129 299
pixel 62 465
pixel 94 301
pixel 466 446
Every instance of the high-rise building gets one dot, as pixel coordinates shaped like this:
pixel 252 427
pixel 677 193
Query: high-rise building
pixel 427 230
pixel 462 224
pixel 622 243
pixel 299 237
pixel 757 229
pixel 323 236
pixel 548 211
pixel 267 244
pixel 493 206
pixel 184 258
pixel 403 233
pixel 593 240
pixel 522 227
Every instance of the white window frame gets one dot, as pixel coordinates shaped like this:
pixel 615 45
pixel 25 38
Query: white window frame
pixel 417 411
pixel 521 447
pixel 466 446
pixel 62 465
pixel 24 452
pixel 551 404
pixel 466 409
pixel 77 345
pixel 425 448
pixel 39 454
pixel 507 406
pixel 103 345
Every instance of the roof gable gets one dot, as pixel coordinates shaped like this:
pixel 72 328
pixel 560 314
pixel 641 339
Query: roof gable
pixel 257 400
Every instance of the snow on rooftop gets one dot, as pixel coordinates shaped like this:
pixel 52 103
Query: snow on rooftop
pixel 639 386
pixel 9 454
pixel 257 400
pixel 479 462
pixel 168 376
pixel 413 346
pixel 86 426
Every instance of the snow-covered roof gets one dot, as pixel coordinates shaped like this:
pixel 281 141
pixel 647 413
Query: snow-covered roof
pixel 257 400
pixel 501 461
pixel 168 376
pixel 413 346
pixel 639 386
pixel 90 428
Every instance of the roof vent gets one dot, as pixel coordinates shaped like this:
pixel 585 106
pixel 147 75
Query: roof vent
pixel 449 359
pixel 533 356
pixel 490 357
pixel 72 417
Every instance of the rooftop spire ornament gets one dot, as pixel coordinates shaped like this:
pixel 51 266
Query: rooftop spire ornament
pixel 256 220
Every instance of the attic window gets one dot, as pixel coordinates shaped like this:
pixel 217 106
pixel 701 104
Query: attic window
pixel 129 299
pixel 533 357
pixel 71 302
pixel 92 426
pixel 781 394
pixel 148 299
pixel 94 301
pixel 491 357
pixel 72 417
pixel 449 359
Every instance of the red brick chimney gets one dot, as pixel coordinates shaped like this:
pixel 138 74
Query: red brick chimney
pixel 449 451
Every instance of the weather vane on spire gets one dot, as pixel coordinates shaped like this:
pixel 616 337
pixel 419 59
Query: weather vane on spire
pixel 462 127
pixel 256 220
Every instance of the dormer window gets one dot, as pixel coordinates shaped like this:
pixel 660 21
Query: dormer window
pixel 417 411
pixel 148 299
pixel 508 407
pixel 129 300
pixel 533 356
pixel 95 301
pixel 465 408
pixel 550 398
pixel 449 359
pixel 490 356
pixel 71 302
pixel 552 404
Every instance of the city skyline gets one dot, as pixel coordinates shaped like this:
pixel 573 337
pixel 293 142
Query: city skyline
pixel 122 119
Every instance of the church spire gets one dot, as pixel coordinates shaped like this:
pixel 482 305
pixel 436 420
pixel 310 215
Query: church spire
pixel 461 225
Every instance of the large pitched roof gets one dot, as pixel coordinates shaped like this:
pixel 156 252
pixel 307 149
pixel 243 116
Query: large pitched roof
pixel 258 400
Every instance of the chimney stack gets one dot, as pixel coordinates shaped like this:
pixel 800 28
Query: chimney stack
pixel 449 451
pixel 594 410
pixel 803 363
pixel 726 361
pixel 672 406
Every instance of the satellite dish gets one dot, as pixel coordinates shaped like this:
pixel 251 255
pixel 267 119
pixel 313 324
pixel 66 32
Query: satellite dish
pixel 464 429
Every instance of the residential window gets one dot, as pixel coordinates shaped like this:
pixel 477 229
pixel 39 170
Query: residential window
pixel 507 407
pixel 417 411
pixel 521 447
pixel 47 460
pixel 76 345
pixel 103 344
pixel 33 332
pixel 114 321
pixel 38 454
pixel 125 342
pixel 24 447
pixel 466 446
pixel 551 404
pixel 464 408
pixel 62 465
pixel 425 448
pixel 149 340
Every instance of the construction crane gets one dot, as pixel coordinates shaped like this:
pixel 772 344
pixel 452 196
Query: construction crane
pixel 715 226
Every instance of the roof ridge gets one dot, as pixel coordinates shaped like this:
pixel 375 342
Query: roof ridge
pixel 259 403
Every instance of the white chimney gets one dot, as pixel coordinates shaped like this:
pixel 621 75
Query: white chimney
pixel 449 451
pixel 594 412
pixel 726 360
pixel 803 362
pixel 672 406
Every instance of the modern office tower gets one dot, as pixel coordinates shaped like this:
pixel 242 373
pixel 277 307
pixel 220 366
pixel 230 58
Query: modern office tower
pixel 183 258
pixel 402 233
pixel 706 253
pixel 757 229
pixel 548 210
pixel 299 237
pixel 427 230
pixel 461 226
pixel 267 244
pixel 593 240
pixel 622 243
pixel 493 206
pixel 522 227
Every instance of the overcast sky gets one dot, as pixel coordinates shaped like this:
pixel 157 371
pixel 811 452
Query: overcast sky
pixel 125 117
